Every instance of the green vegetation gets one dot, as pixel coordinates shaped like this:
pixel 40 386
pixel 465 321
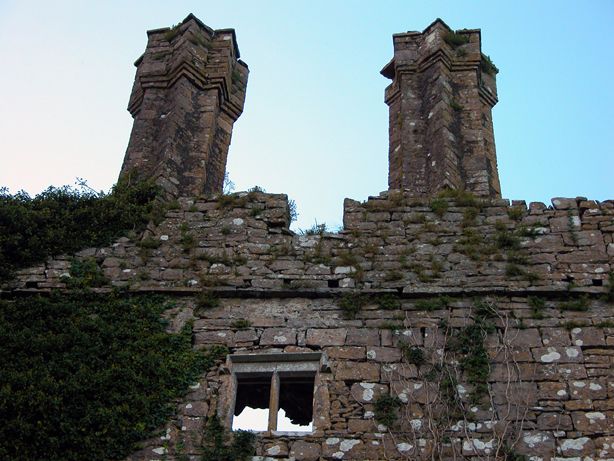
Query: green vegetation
pixel 388 302
pixel 241 324
pixel 413 354
pixel 66 220
pixel 456 106
pixel 87 376
pixel 440 302
pixel 207 300
pixel 580 304
pixel 316 229
pixel 172 32
pixel 218 446
pixel 488 66
pixel 387 409
pixel 515 213
pixel 455 39
pixel 149 243
pixel 461 197
pixel 85 273
pixel 537 306
pixel 439 206
pixel 469 343
pixel 351 304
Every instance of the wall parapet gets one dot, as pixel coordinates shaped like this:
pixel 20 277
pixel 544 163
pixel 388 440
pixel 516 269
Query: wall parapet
pixel 391 243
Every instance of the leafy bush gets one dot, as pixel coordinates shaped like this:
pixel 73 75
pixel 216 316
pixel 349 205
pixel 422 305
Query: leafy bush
pixel 66 220
pixel 87 376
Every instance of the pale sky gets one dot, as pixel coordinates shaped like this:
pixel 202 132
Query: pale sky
pixel 315 125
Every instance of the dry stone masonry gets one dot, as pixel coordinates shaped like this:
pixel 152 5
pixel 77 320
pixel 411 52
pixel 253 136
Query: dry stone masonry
pixel 433 326
pixel 440 99
pixel 188 91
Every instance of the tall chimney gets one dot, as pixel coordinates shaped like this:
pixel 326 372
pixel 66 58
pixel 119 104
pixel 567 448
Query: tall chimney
pixel 441 133
pixel 188 91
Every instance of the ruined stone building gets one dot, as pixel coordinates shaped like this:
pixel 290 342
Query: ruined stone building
pixel 442 322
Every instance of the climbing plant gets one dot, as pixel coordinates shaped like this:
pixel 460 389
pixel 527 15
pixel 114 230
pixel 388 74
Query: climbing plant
pixel 86 376
pixel 67 219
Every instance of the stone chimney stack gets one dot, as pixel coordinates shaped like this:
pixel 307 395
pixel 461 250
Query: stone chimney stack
pixel 442 92
pixel 188 91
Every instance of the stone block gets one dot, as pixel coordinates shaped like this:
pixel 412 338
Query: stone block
pixel 557 354
pixel 552 391
pixel 535 443
pixel 326 336
pixel 343 448
pixel 346 352
pixel 576 447
pixel 357 371
pixel 305 451
pixel 367 392
pixel 593 422
pixel 590 390
pixel 278 337
pixel 383 354
pixel 362 337
pixel 551 421
pixel 555 337
pixel 587 336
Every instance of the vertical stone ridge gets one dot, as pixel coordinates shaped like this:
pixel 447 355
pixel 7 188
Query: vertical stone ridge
pixel 440 113
pixel 188 91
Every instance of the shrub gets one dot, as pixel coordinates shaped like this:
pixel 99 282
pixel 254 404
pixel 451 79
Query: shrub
pixel 90 375
pixel 66 220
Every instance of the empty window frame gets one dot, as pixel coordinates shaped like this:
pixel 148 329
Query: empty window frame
pixel 274 392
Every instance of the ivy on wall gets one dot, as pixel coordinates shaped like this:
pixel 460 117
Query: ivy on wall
pixel 86 376
pixel 66 220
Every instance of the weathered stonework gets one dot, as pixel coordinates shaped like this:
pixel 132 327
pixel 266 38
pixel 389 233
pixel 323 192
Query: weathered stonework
pixel 441 96
pixel 528 285
pixel 550 371
pixel 188 91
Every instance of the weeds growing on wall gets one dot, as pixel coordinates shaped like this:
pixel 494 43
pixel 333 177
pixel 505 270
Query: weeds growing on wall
pixel 218 445
pixel 66 220
pixel 86 376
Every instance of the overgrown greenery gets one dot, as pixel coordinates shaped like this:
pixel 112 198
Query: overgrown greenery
pixel 488 66
pixel 67 219
pixel 351 303
pixel 86 376
pixel 469 343
pixel 454 39
pixel 218 446
pixel 387 409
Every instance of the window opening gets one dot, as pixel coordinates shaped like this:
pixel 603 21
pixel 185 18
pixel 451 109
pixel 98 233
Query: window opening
pixel 295 404
pixel 275 395
pixel 252 404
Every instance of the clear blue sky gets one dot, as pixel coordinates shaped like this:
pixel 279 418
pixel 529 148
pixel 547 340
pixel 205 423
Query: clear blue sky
pixel 315 124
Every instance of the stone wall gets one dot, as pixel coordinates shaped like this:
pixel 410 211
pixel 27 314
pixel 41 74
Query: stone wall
pixel 550 381
pixel 388 300
pixel 392 242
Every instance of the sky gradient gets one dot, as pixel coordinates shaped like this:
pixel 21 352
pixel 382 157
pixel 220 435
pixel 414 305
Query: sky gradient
pixel 315 125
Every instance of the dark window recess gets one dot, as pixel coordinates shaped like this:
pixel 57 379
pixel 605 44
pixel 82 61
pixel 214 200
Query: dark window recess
pixel 253 393
pixel 333 284
pixel 296 399
pixel 597 282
